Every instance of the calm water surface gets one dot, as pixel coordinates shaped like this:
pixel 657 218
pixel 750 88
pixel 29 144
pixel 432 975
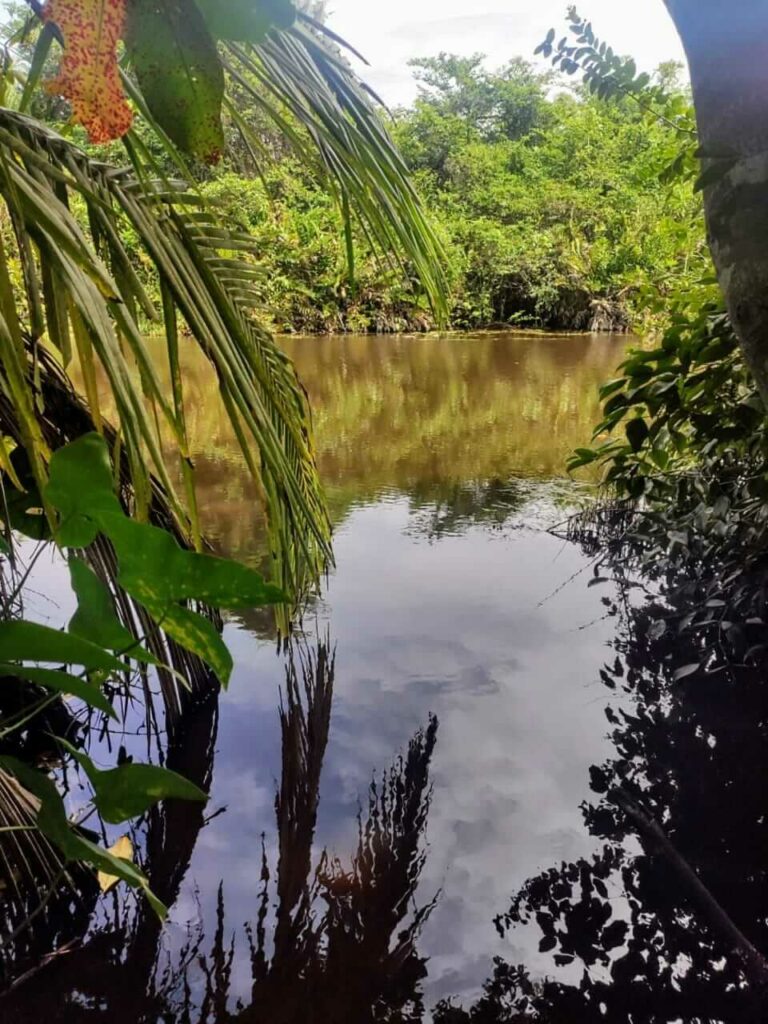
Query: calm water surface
pixel 443 462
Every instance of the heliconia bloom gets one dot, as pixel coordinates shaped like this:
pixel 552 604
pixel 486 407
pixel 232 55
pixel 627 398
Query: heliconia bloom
pixel 88 76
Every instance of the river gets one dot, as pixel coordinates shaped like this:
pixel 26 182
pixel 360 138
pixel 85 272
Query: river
pixel 443 460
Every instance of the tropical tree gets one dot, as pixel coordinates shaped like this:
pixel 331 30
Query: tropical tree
pixel 142 72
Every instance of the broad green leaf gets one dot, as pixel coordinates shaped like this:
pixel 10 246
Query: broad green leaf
pixel 246 21
pixel 95 619
pixel 61 682
pixel 196 633
pixel 80 488
pixel 30 641
pixel 129 790
pixel 154 567
pixel 52 822
pixel 179 71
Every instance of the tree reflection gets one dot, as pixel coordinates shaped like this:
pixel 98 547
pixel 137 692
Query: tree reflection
pixel 668 922
pixel 339 943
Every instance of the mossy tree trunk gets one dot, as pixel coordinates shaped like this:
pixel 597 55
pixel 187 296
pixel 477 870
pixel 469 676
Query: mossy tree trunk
pixel 727 50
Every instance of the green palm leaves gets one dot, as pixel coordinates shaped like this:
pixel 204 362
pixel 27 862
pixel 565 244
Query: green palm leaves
pixel 78 291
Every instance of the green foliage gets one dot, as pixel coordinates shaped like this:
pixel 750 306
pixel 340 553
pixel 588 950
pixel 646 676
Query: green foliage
pixel 152 567
pixel 63 683
pixel 179 72
pixel 95 619
pixel 53 823
pixel 684 404
pixel 130 789
pixel 554 209
pixel 30 641
pixel 507 104
pixel 246 21
pixel 568 225
pixel 160 576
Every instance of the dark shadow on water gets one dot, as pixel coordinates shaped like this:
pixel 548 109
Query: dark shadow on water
pixel 326 941
pixel 669 921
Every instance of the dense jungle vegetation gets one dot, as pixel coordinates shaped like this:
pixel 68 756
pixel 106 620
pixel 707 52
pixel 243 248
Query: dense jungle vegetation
pixel 552 206
pixel 571 201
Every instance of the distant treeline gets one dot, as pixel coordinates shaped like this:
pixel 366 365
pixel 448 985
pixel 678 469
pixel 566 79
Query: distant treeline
pixel 556 209
pixel 553 207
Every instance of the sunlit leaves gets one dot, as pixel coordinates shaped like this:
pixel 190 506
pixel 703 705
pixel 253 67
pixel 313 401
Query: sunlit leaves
pixel 123 849
pixel 89 75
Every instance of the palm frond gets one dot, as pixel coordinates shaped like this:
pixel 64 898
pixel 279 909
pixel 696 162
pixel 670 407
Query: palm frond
pixel 300 79
pixel 66 215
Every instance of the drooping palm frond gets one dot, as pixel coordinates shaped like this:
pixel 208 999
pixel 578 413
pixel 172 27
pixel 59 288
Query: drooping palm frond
pixel 79 290
pixel 300 79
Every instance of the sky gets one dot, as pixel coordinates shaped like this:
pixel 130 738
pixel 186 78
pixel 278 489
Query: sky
pixel 389 34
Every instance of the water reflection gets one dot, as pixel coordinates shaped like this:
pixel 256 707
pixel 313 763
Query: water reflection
pixel 667 920
pixel 325 940
pixel 439 457
pixel 421 416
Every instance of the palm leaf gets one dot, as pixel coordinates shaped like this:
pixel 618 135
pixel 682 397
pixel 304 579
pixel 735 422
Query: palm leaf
pixel 82 289
pixel 301 81
pixel 79 283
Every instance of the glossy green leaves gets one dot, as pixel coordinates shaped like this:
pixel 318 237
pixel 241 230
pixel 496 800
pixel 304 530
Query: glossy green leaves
pixel 95 618
pixel 152 567
pixel 80 488
pixel 131 789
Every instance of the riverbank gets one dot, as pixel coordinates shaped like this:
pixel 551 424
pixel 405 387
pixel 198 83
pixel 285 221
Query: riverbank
pixel 589 316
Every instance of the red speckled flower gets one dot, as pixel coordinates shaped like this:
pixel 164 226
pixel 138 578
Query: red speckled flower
pixel 89 76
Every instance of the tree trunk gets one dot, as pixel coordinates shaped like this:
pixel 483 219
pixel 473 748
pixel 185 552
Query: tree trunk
pixel 727 50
